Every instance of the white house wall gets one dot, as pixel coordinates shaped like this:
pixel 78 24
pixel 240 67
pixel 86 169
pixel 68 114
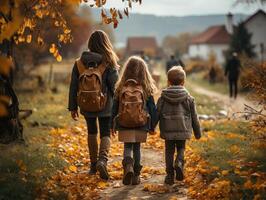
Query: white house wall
pixel 257 26
pixel 203 50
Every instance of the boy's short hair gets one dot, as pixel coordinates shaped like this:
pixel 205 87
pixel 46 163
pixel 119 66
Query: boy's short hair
pixel 176 75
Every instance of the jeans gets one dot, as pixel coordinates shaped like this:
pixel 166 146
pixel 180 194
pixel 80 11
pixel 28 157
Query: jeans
pixel 134 147
pixel 104 124
pixel 170 146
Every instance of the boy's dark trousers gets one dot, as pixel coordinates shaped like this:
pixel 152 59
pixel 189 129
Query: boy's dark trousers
pixel 170 146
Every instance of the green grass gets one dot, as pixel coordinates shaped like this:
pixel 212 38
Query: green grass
pixel 217 151
pixel 240 127
pixel 40 160
pixel 198 79
pixel 205 105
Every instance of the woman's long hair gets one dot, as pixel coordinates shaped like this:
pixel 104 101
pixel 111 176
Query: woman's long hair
pixel 99 43
pixel 136 68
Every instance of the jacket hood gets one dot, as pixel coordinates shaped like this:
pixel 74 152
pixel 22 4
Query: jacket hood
pixel 175 94
pixel 91 59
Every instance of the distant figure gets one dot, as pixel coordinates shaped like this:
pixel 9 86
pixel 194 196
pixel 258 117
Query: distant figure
pixel 232 70
pixel 212 75
pixel 146 59
pixel 173 62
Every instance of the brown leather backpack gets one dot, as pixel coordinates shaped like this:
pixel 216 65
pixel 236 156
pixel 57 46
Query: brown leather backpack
pixel 90 93
pixel 131 113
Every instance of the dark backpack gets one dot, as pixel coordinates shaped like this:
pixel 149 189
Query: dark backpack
pixel 91 97
pixel 132 111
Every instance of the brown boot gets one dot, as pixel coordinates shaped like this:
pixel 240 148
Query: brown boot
pixel 128 170
pixel 136 176
pixel 93 151
pixel 103 157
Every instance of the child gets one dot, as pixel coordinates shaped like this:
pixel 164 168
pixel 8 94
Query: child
pixel 133 113
pixel 177 114
pixel 92 88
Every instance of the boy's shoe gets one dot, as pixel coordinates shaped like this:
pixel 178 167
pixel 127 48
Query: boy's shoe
pixel 128 170
pixel 93 169
pixel 179 171
pixel 135 180
pixel 169 179
pixel 102 169
pixel 136 176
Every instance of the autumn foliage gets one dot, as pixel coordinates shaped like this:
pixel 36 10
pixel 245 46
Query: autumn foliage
pixel 254 79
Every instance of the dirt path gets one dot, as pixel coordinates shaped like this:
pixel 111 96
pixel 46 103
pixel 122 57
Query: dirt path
pixel 153 161
pixel 230 105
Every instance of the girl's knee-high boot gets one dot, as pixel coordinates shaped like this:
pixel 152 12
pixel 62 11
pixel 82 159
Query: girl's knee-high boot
pixel 93 151
pixel 128 170
pixel 103 157
pixel 136 176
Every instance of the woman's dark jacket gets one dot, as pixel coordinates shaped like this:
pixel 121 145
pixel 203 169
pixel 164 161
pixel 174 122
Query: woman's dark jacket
pixel 110 77
pixel 150 108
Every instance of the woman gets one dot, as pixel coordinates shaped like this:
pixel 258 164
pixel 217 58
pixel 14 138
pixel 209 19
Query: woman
pixel 100 54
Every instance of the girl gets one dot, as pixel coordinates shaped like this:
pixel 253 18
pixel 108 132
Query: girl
pixel 100 55
pixel 133 93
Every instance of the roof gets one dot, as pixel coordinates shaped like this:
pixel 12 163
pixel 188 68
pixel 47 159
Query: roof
pixel 254 15
pixel 140 43
pixel 213 35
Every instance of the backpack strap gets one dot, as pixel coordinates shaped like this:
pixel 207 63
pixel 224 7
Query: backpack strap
pixel 81 67
pixel 102 68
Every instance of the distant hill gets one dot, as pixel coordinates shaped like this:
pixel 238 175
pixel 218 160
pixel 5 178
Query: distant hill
pixel 161 26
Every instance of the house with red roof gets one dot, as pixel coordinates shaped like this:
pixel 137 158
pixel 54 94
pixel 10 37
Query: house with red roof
pixel 216 39
pixel 142 45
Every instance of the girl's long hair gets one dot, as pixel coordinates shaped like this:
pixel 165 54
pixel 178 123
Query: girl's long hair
pixel 99 43
pixel 136 68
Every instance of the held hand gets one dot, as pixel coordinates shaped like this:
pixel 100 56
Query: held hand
pixel 197 137
pixel 113 132
pixel 152 132
pixel 75 115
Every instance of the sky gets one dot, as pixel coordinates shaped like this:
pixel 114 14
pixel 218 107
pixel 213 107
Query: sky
pixel 187 7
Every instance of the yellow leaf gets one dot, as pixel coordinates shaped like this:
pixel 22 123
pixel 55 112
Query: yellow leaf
pixel 248 184
pixel 21 165
pixel 51 155
pixel 234 149
pixel 59 58
pixel 73 168
pixel 40 41
pixel 52 48
pixel 61 37
pixel 102 185
pixel 29 37
pixel 225 172
pixel 66 31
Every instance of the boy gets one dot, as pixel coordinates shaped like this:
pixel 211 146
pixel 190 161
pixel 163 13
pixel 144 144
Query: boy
pixel 177 116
